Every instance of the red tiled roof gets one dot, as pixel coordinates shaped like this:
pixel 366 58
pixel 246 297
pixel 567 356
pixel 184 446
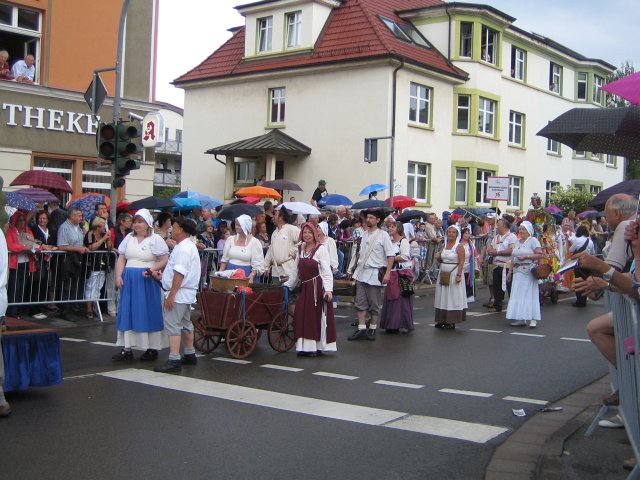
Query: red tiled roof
pixel 353 32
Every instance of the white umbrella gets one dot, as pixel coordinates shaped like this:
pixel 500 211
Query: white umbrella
pixel 301 208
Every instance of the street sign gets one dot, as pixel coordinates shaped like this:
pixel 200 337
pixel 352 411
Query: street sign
pixel 100 94
pixel 152 129
pixel 498 188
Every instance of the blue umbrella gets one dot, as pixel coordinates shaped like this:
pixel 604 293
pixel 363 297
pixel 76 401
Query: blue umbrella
pixel 334 200
pixel 185 194
pixel 87 204
pixel 206 201
pixel 19 201
pixel 187 203
pixel 374 187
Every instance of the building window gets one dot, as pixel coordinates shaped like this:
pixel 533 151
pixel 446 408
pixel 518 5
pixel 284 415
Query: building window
pixel 178 135
pixel 555 78
pixel 462 181
pixel 580 186
pixel 419 104
pixel 294 29
pixel 464 103
pixel 417 181
pixel 245 172
pixel 594 189
pixel 482 183
pixel 515 192
pixel 406 32
pixel 265 34
pixel 553 146
pixel 597 85
pixel 516 125
pixel 20 32
pixel 518 58
pixel 489 45
pixel 466 39
pixel 582 86
pixel 550 185
pixel 486 116
pixel 580 154
pixel 277 101
pixel 610 160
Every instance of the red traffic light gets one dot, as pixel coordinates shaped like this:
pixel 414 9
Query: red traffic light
pixel 107 131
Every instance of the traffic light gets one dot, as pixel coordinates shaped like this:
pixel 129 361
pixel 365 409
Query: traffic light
pixel 127 147
pixel 106 141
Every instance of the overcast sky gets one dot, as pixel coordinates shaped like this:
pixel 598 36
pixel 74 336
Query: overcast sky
pixel 190 30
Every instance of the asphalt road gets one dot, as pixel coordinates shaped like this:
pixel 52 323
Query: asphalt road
pixel 431 404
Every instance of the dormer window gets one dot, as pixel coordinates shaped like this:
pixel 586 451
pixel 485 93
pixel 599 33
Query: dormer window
pixel 406 33
pixel 265 34
pixel 294 27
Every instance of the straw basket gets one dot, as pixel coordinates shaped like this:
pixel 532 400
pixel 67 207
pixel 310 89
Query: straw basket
pixel 344 287
pixel 219 284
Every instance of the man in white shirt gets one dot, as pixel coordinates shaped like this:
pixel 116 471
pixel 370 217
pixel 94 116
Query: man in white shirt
pixel 501 249
pixel 282 250
pixel 24 71
pixel 180 281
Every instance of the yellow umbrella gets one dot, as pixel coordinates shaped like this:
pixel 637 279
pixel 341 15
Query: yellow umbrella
pixel 258 191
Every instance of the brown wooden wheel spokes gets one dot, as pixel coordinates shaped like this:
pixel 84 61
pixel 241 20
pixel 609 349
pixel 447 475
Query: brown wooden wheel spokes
pixel 241 339
pixel 203 341
pixel 281 334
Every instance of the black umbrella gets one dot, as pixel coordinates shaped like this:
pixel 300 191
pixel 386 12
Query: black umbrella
pixel 152 203
pixel 407 215
pixel 594 215
pixel 234 211
pixel 368 204
pixel 630 187
pixel 615 131
pixel 476 212
pixel 282 184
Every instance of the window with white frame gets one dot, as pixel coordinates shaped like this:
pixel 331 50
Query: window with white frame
pixel 555 78
pixel 406 32
pixel 482 184
pixel 610 160
pixel 20 34
pixel 515 192
pixel 516 126
pixel 464 105
pixel 549 191
pixel 489 45
pixel 265 34
pixel 598 81
pixel 277 103
pixel 518 59
pixel 461 186
pixel 553 146
pixel 294 29
pixel 419 104
pixel 580 186
pixel 581 93
pixel 466 39
pixel 580 154
pixel 594 189
pixel 245 172
pixel 418 181
pixel 486 116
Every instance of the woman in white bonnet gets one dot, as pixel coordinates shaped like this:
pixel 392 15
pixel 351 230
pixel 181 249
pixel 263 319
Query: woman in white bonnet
pixel 243 251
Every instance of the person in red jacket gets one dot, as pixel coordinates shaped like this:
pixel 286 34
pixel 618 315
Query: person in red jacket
pixel 22 264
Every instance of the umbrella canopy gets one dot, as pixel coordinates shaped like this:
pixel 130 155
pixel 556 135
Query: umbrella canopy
pixel 185 194
pixel 630 187
pixel 627 87
pixel 334 200
pixel 153 203
pixel 87 204
pixel 282 184
pixel 374 187
pixel 558 217
pixel 43 179
pixel 594 215
pixel 258 191
pixel 553 209
pixel 585 213
pixel 187 203
pixel 407 215
pixel 232 212
pixel 301 208
pixel 368 204
pixel 207 201
pixel 38 195
pixel 474 212
pixel 401 201
pixel 615 131
pixel 21 202
pixel 105 198
pixel 123 206
pixel 251 200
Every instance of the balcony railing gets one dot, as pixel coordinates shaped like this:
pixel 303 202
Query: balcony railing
pixel 167 179
pixel 172 146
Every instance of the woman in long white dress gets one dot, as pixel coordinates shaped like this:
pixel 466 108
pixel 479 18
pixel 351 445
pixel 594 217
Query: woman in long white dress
pixel 451 297
pixel 524 300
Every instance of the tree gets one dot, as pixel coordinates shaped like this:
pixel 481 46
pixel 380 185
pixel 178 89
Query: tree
pixel 571 198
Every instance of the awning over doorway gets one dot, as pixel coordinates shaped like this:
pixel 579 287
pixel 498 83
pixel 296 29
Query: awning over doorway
pixel 274 142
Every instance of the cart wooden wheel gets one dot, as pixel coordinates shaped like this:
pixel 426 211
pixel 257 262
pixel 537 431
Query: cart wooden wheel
pixel 281 334
pixel 241 338
pixel 203 341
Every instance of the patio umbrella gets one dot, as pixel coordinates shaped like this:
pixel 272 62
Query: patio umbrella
pixel 38 195
pixel 407 215
pixel 368 204
pixel 232 212
pixel 153 203
pixel 585 213
pixel 87 204
pixel 186 203
pixel 401 201
pixel 553 209
pixel 258 191
pixel 282 184
pixel 630 187
pixel 614 131
pixel 334 200
pixel 16 200
pixel 43 179
pixel 627 87
pixel 374 187
pixel 301 208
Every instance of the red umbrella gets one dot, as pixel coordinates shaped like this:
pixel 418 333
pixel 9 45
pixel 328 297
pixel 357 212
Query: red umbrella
pixel 627 87
pixel 249 200
pixel 42 179
pixel 123 206
pixel 401 201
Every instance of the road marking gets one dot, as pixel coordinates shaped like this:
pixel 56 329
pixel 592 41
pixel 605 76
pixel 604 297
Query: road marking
pixel 79 377
pixel 68 339
pixel 281 367
pixel 442 427
pixel 417 323
pixel 466 392
pixel 398 384
pixel 341 316
pixel 335 375
pixel 105 344
pixel 528 334
pixel 478 314
pixel 418 308
pixel 576 339
pixel 232 360
pixel 485 331
pixel 526 400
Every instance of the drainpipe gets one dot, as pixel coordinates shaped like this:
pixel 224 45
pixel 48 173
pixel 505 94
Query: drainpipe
pixel 446 10
pixel 393 129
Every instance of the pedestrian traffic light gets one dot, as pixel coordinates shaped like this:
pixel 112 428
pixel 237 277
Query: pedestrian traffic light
pixel 126 148
pixel 106 141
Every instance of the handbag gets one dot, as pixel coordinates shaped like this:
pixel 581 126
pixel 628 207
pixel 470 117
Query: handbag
pixel 541 271
pixel 444 278
pixel 406 287
pixel 381 272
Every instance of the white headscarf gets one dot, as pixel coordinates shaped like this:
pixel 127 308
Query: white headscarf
pixel 528 226
pixel 458 235
pixel 324 226
pixel 145 214
pixel 245 223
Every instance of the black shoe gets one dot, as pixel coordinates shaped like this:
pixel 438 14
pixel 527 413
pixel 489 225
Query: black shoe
pixel 189 359
pixel 358 335
pixel 149 356
pixel 438 325
pixel 172 366
pixel 371 334
pixel 578 305
pixel 354 324
pixel 123 356
pixel 392 330
pixel 448 326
